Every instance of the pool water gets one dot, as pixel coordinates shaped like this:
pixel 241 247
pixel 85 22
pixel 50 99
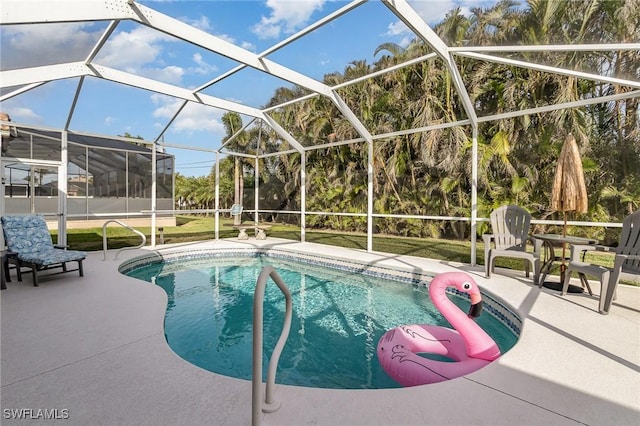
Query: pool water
pixel 338 318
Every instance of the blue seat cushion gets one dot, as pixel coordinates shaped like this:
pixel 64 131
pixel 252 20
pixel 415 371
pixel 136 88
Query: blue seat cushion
pixel 51 257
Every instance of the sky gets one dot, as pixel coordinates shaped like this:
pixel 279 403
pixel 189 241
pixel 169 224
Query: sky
pixel 107 108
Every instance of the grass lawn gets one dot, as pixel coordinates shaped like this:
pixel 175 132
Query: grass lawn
pixel 198 228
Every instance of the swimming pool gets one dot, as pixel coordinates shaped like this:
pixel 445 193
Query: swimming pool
pixel 340 311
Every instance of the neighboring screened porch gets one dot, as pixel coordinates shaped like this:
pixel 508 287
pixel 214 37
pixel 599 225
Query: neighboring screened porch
pixel 104 177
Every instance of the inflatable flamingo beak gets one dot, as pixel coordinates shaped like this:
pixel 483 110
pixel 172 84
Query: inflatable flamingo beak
pixel 476 305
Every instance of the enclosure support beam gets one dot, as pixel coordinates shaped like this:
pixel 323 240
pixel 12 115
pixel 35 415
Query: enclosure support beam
pixel 362 130
pixel 256 189
pixel 62 190
pixel 154 201
pixel 74 103
pixel 369 195
pixel 217 198
pixel 474 192
pixel 303 195
pixel 2 184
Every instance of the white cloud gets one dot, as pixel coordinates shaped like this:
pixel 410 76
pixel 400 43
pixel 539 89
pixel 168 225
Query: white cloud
pixel 193 118
pixel 136 51
pixel 22 114
pixel 248 46
pixel 44 44
pixel 286 17
pixel 266 29
pixel 166 106
pixel 204 24
pixel 201 23
pixel 399 31
pixel 397 28
pixel 226 37
pixel 132 50
pixel 434 11
pixel 431 11
pixel 198 118
pixel 406 40
pixel 170 74
pixel 108 120
pixel 202 67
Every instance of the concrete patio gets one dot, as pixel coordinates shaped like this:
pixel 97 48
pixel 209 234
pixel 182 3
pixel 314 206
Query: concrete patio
pixel 92 351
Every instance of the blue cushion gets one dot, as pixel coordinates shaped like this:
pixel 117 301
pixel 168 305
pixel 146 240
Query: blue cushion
pixel 29 237
pixel 52 257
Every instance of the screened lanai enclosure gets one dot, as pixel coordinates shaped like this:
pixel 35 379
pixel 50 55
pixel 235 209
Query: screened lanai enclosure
pixel 103 177
pixel 463 115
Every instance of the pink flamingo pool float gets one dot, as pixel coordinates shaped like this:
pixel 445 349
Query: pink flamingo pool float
pixel 469 346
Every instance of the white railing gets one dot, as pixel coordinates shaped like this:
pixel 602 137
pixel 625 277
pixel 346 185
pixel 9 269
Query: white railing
pixel 104 238
pixel 269 405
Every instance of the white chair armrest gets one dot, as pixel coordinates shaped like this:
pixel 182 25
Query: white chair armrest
pixel 487 239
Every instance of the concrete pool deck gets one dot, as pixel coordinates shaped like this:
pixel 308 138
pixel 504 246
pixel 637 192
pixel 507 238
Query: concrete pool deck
pixel 92 351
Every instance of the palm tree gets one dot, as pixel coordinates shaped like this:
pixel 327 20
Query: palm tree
pixel 233 123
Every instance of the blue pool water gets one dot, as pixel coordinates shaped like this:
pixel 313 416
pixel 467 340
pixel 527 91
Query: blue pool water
pixel 338 318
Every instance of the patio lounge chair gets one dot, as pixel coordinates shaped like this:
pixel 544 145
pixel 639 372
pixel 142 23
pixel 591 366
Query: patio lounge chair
pixel 30 246
pixel 510 226
pixel 627 260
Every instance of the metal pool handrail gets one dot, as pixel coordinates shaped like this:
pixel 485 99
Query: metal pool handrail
pixel 104 238
pixel 258 311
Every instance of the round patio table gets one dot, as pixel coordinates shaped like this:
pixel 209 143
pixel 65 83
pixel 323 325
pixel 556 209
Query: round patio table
pixel 549 242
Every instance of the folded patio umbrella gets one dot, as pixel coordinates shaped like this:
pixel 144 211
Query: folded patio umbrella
pixel 569 192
